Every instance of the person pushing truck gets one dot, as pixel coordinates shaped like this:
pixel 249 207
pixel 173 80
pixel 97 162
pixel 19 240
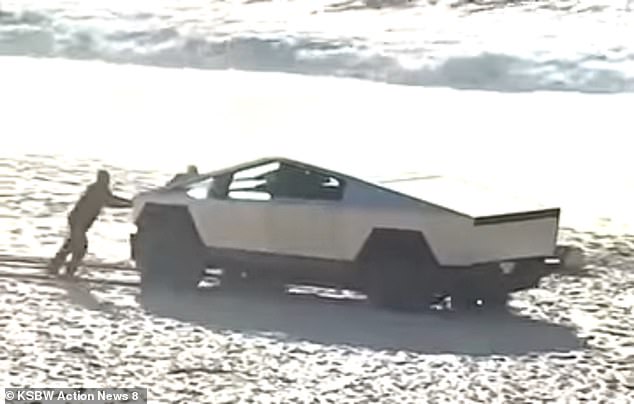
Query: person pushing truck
pixel 87 209
pixel 96 196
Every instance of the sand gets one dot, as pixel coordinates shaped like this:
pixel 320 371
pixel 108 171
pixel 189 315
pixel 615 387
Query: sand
pixel 570 340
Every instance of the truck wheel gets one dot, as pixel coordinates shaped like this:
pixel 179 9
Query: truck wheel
pixel 396 282
pixel 171 268
pixel 170 256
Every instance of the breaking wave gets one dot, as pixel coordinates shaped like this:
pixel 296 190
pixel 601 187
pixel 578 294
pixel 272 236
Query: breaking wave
pixel 435 62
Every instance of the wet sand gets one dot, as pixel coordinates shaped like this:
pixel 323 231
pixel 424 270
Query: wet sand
pixel 570 340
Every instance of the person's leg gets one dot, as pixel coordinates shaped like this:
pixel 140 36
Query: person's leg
pixel 78 246
pixel 60 258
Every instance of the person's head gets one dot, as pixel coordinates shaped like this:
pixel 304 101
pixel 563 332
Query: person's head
pixel 192 169
pixel 103 177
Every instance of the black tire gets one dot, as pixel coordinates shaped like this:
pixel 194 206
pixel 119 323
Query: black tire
pixel 397 282
pixel 399 270
pixel 170 254
pixel 171 268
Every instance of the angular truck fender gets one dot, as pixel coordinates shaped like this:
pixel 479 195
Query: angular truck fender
pixel 404 241
pixel 156 217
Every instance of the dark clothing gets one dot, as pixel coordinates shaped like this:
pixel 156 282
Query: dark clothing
pixel 89 206
pixel 220 186
pixel 86 210
pixel 75 244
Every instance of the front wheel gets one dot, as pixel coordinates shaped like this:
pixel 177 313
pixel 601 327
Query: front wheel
pixel 169 254
pixel 171 269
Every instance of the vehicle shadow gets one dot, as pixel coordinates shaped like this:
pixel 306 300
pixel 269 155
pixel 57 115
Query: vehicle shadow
pixel 355 323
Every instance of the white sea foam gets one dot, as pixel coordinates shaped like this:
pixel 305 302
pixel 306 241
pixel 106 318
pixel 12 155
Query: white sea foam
pixel 581 45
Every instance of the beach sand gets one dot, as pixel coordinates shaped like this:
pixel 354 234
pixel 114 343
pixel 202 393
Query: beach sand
pixel 570 340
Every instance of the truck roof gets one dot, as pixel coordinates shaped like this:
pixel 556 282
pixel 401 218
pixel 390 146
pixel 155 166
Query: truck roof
pixel 453 194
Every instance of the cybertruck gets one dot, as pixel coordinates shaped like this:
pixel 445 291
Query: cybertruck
pixel 404 243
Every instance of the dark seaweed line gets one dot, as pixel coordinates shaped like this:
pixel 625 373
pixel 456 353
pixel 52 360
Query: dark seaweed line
pixel 52 279
pixel 42 261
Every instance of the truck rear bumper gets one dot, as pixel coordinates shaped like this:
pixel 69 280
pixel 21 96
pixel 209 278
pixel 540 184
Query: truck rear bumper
pixel 565 259
pixel 513 275
pixel 571 259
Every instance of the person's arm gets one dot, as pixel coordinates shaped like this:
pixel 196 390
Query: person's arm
pixel 118 202
pixel 174 180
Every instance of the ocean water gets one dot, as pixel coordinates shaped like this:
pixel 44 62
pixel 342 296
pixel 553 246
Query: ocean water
pixel 312 81
pixel 492 44
pixel 148 88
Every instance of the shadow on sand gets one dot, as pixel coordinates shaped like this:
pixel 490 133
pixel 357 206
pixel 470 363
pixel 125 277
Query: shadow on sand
pixel 355 323
pixel 81 296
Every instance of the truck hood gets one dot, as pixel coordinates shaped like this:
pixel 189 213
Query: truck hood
pixel 160 196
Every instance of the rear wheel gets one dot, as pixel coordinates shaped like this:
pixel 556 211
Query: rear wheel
pixel 399 270
pixel 397 282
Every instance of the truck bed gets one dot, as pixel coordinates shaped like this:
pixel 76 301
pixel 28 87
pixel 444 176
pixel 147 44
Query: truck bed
pixel 468 198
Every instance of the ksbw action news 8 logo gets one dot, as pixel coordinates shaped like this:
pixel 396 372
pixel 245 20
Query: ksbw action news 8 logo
pixel 73 395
